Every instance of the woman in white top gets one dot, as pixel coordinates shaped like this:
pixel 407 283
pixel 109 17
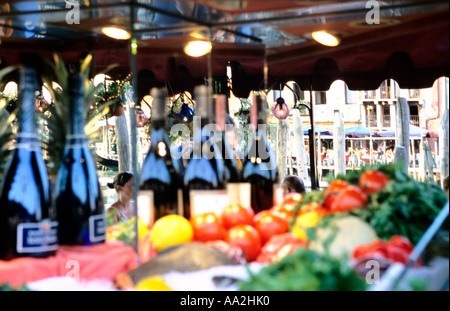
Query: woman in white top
pixel 123 208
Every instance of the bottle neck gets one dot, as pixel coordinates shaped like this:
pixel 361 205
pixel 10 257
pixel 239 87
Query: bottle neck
pixel 27 121
pixel 257 112
pixel 158 109
pixel 158 125
pixel 76 105
pixel 220 112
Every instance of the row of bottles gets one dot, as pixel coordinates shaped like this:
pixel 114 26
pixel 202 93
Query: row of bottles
pixel 211 164
pixel 34 221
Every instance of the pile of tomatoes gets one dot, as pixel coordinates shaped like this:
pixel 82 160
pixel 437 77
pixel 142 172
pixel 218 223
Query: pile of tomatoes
pixel 261 236
pixel 397 249
pixel 340 196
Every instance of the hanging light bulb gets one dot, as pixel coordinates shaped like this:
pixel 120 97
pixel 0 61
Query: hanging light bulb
pixel 280 110
pixel 141 118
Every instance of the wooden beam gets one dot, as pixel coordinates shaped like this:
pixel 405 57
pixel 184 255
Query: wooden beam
pixel 339 144
pixel 402 132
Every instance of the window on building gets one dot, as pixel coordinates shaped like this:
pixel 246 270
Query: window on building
pixel 385 89
pixel 386 116
pixel 320 98
pixel 276 95
pixel 350 96
pixel 414 113
pixel 371 115
pixel 396 89
pixel 414 93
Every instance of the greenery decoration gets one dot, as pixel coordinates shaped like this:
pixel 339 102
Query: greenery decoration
pixel 112 94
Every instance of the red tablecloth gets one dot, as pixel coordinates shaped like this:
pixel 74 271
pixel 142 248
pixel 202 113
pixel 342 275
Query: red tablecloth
pixel 102 261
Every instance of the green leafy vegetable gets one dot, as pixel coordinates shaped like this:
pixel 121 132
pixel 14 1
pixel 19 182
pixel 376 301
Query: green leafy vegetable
pixel 305 270
pixel 405 207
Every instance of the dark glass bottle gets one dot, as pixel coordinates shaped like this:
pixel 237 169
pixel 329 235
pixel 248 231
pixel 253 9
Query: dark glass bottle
pixel 229 159
pixel 205 169
pixel 28 224
pixel 260 165
pixel 78 197
pixel 161 173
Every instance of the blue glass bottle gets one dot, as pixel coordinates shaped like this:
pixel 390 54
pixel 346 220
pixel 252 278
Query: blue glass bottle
pixel 78 197
pixel 28 224
pixel 161 173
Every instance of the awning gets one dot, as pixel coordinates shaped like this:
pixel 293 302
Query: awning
pixel 414 131
pixel 409 42
pixel 359 131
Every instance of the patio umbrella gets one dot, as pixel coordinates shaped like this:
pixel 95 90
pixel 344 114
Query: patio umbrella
pixel 359 131
pixel 417 131
pixel 414 131
pixel 317 129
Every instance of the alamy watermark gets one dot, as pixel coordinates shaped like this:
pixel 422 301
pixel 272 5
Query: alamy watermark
pixel 373 274
pixel 74 269
pixel 73 16
pixel 372 16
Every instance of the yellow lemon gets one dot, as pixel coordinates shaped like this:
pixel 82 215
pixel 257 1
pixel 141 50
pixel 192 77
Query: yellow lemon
pixel 153 283
pixel 304 221
pixel 171 230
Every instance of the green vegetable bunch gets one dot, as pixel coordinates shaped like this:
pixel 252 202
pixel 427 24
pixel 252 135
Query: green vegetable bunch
pixel 124 231
pixel 305 270
pixel 405 207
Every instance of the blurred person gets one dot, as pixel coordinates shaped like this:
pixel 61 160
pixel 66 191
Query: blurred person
pixel 292 183
pixel 124 208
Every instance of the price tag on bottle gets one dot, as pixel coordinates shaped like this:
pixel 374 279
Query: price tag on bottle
pixel 245 194
pixel 145 207
pixel 277 194
pixel 37 237
pixel 203 201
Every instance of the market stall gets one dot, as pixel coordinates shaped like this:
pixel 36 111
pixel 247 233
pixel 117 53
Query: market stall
pixel 386 226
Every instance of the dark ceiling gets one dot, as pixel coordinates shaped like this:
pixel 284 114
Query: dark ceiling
pixel 408 42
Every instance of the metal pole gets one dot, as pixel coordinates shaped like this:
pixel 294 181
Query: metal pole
pixel 423 243
pixel 133 48
pixel 312 144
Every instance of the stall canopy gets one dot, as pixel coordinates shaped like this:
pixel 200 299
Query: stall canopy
pixel 317 129
pixel 406 40
pixel 359 131
pixel 414 131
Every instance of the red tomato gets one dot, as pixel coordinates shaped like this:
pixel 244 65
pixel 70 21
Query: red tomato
pixel 291 200
pixel 376 249
pixel 313 207
pixel 332 191
pixel 397 254
pixel 235 214
pixel 379 246
pixel 373 181
pixel 401 242
pixel 269 224
pixel 279 246
pixel 207 227
pixel 283 211
pixel 348 199
pixel 247 238
pixel 361 251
